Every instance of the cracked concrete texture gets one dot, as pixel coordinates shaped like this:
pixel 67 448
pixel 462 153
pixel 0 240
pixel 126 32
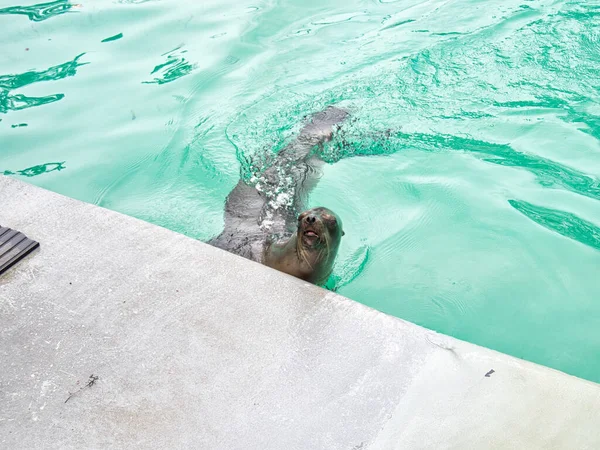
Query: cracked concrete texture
pixel 193 347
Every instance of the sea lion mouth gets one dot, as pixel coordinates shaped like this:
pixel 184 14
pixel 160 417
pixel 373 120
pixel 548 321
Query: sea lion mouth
pixel 310 237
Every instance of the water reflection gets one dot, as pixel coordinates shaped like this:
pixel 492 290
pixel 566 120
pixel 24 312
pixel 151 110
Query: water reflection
pixel 549 173
pixel 17 102
pixel 113 38
pixel 37 170
pixel 175 67
pixel 561 222
pixel 41 11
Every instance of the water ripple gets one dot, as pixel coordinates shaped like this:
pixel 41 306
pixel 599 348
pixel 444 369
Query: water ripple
pixel 58 72
pixel 346 271
pixel 474 103
pixel 37 170
pixel 174 68
pixel 398 24
pixel 548 172
pixel 17 102
pixel 339 18
pixel 561 222
pixel 41 11
pixel 113 38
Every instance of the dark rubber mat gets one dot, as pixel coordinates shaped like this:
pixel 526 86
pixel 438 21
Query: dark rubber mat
pixel 14 246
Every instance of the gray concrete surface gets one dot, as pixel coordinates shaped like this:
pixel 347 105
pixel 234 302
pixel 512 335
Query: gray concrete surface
pixel 197 348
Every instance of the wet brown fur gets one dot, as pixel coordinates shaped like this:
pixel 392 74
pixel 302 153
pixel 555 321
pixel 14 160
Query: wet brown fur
pixel 312 263
pixel 246 208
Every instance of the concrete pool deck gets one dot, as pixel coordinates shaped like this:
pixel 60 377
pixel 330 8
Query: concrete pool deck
pixel 120 334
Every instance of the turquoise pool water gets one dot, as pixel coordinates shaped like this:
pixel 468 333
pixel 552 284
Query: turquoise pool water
pixel 467 179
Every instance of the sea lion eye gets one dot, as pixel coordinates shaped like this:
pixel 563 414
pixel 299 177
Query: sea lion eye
pixel 330 221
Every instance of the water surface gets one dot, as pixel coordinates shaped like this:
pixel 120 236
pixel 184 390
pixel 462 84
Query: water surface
pixel 468 178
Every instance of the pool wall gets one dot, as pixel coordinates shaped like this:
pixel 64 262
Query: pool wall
pixel 119 333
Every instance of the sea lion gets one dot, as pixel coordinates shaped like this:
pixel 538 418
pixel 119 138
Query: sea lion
pixel 309 253
pixel 262 221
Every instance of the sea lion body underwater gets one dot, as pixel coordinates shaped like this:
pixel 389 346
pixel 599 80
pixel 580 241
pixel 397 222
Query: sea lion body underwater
pixel 262 222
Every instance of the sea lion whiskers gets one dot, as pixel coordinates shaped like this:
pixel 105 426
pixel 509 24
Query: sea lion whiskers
pixel 323 243
pixel 327 247
pixel 301 251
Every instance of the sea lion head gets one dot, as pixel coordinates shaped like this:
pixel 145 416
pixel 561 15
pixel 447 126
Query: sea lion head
pixel 319 234
pixel 308 254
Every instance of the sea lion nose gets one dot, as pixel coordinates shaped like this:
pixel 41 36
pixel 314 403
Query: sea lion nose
pixel 310 219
